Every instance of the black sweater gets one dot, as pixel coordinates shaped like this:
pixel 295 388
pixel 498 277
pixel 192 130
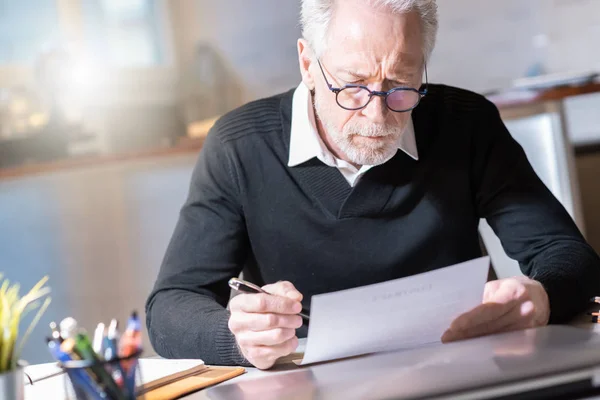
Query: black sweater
pixel 248 210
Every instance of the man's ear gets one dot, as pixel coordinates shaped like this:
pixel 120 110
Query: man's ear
pixel 305 58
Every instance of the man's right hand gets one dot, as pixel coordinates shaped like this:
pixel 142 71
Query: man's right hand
pixel 265 325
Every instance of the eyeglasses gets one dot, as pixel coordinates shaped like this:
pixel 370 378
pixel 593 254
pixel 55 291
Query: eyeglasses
pixel 356 97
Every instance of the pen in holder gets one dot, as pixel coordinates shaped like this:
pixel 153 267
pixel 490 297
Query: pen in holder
pixel 115 379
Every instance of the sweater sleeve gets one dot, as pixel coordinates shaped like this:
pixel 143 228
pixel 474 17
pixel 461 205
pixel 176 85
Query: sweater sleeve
pixel 532 225
pixel 186 312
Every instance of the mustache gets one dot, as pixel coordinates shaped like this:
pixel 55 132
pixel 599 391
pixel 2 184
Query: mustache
pixel 373 130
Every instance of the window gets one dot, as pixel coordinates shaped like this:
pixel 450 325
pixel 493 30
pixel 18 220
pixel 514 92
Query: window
pixel 26 29
pixel 118 33
pixel 124 33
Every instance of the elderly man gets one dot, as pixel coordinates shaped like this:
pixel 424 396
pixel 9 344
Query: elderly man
pixel 360 175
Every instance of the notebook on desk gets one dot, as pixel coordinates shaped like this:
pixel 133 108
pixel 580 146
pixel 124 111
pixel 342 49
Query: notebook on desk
pixel 163 379
pixel 172 379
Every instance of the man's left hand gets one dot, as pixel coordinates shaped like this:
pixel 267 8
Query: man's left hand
pixel 508 305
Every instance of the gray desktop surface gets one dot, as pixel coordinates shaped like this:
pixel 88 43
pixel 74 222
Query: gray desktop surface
pixel 488 367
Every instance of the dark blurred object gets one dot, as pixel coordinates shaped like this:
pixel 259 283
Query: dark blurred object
pixel 38 147
pixel 210 86
pixel 21 112
pixel 140 127
pixel 33 123
pixel 27 131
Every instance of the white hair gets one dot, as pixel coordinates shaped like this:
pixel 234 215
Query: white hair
pixel 316 16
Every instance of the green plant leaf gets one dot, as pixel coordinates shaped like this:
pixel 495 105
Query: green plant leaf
pixel 31 297
pixel 29 308
pixel 4 287
pixel 12 294
pixel 37 286
pixel 32 325
pixel 12 311
pixel 5 335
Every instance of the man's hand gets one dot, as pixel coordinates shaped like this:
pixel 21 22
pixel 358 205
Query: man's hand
pixel 508 304
pixel 265 325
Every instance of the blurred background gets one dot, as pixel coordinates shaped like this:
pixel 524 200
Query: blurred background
pixel 104 105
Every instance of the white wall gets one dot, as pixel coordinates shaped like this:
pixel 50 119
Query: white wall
pixel 485 44
pixel 260 46
pixel 482 44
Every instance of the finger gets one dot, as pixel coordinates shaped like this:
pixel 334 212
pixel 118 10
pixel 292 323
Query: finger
pixel 271 337
pixel 451 336
pixel 264 303
pixel 481 315
pixel 265 356
pixel 499 299
pixel 241 321
pixel 490 289
pixel 285 289
pixel 504 291
pixel 519 317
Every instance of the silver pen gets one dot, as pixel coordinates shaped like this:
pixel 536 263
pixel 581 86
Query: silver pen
pixel 249 287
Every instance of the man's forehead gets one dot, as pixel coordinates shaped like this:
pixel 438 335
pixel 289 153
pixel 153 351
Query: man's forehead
pixel 360 34
pixel 364 61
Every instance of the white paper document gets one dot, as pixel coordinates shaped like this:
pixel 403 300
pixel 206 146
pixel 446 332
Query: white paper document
pixel 400 314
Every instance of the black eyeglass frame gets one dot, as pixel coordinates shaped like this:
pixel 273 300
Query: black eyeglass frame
pixel 372 93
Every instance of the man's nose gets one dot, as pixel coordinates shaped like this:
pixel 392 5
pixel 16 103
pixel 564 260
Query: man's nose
pixel 376 110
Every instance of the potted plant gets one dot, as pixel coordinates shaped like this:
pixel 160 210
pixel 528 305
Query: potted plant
pixel 13 310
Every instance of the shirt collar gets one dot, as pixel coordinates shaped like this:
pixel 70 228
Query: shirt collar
pixel 305 142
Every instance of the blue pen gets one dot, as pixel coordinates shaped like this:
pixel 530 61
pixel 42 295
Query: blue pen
pixel 77 376
pixel 111 341
pixel 111 351
pixel 131 343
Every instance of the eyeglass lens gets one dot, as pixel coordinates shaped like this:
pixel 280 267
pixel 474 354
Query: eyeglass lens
pixel 399 100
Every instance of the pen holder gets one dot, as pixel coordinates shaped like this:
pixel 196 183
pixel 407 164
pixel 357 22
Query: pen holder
pixel 116 379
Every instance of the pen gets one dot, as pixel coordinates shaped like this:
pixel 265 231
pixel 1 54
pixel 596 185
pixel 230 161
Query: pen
pixel 84 346
pixel 81 346
pixel 68 328
pixel 130 343
pixel 248 287
pixel 98 338
pixel 111 351
pixel 131 340
pixel 112 340
pixel 78 376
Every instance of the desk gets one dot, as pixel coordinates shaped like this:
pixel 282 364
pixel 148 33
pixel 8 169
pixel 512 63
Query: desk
pixel 41 389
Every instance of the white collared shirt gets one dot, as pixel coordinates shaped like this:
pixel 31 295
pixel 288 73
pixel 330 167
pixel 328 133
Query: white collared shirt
pixel 305 142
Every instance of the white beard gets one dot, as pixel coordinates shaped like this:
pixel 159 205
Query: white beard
pixel 358 150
